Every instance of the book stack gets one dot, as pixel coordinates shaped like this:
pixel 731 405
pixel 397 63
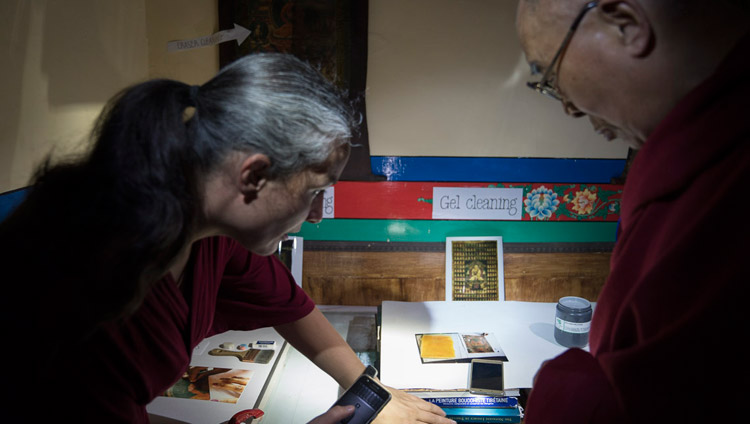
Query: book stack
pixel 470 408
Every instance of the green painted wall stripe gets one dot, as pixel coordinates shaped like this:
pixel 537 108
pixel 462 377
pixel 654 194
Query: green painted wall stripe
pixel 431 231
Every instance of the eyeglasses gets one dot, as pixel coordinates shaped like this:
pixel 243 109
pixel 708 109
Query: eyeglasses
pixel 543 86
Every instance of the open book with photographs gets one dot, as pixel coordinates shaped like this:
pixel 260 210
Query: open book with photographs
pixel 213 384
pixel 458 347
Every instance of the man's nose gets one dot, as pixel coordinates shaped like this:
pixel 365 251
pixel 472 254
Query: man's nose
pixel 316 210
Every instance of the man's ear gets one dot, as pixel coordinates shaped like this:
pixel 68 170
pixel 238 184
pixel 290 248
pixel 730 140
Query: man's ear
pixel 253 174
pixel 632 23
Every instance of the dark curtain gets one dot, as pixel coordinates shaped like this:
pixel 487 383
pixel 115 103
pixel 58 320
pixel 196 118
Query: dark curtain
pixel 329 34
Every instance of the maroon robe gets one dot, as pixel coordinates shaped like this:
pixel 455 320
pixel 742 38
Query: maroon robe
pixel 113 376
pixel 668 333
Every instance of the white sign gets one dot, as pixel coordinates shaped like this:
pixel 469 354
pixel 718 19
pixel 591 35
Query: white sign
pixel 328 201
pixel 477 203
pixel 237 33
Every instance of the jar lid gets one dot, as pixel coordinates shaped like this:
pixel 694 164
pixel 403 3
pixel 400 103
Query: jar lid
pixel 574 304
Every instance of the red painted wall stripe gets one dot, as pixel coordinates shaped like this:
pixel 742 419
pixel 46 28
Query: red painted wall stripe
pixel 413 200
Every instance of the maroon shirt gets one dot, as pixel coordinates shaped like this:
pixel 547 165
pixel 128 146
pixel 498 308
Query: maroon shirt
pixel 668 333
pixel 116 374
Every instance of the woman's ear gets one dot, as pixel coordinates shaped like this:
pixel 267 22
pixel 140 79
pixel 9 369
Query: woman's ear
pixel 253 174
pixel 631 23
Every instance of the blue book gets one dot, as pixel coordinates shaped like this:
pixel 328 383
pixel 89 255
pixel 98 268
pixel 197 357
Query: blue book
pixel 484 415
pixel 474 401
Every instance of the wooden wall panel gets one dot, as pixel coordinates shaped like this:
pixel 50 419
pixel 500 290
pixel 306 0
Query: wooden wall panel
pixel 368 278
pixel 546 277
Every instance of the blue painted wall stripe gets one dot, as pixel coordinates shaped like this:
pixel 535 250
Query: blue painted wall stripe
pixel 9 200
pixel 478 169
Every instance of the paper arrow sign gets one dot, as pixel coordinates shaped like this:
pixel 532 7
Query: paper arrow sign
pixel 237 33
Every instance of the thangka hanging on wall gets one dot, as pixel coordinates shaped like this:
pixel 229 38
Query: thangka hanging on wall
pixel 331 35
pixel 474 269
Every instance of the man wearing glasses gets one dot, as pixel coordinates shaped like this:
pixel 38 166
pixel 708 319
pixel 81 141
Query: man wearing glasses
pixel 673 78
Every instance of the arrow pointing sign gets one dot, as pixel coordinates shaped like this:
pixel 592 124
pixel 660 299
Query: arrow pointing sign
pixel 237 33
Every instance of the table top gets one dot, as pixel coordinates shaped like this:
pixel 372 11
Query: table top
pixel 525 331
pixel 297 391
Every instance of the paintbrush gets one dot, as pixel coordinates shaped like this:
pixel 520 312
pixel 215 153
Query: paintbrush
pixel 257 356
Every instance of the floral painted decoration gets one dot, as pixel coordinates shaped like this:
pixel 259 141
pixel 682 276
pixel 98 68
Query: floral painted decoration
pixel 541 203
pixel 568 202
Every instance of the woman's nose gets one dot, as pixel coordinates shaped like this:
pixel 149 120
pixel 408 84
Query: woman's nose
pixel 316 210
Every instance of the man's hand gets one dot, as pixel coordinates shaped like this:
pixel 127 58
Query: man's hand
pixel 334 415
pixel 405 408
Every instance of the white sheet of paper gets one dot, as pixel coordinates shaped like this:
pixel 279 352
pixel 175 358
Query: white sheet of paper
pixel 525 330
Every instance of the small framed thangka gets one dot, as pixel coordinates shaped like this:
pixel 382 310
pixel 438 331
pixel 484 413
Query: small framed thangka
pixel 474 268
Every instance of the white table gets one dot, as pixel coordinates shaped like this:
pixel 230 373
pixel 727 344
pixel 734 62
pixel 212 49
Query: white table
pixel 298 391
pixel 301 391
pixel 525 331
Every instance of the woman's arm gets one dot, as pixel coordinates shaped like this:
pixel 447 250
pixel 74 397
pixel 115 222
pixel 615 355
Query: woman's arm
pixel 316 338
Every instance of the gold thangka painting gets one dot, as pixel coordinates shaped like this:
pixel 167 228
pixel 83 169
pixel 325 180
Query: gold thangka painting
pixel 474 269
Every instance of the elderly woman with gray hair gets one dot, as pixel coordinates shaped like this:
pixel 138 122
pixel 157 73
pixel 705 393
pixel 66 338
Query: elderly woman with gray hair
pixel 126 258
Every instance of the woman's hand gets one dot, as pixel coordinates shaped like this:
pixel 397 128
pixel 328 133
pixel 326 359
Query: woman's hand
pixel 333 415
pixel 405 408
